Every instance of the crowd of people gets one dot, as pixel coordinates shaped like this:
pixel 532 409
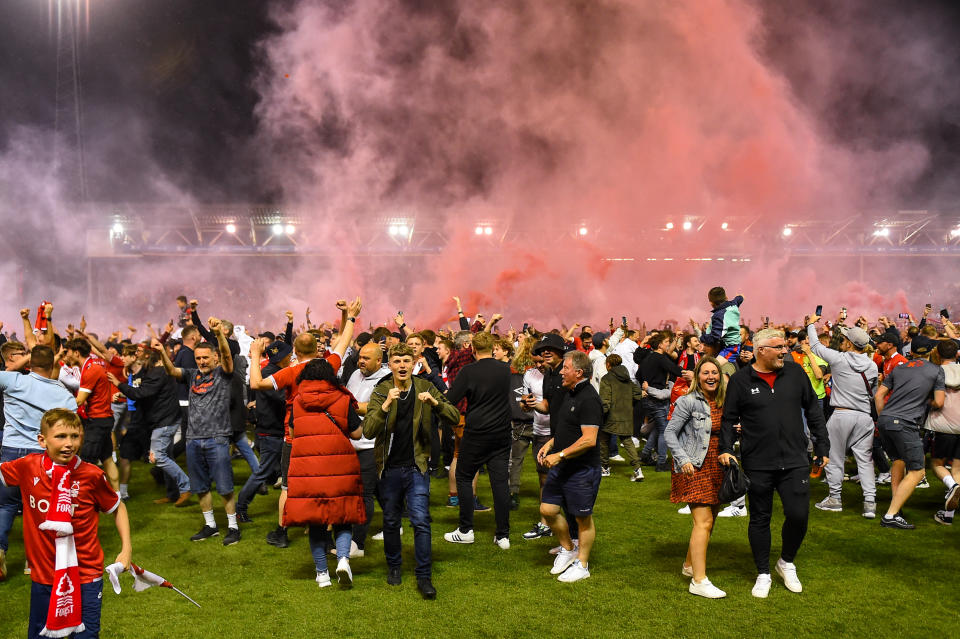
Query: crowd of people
pixel 343 420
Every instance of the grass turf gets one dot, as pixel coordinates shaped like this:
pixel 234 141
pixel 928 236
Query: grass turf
pixel 859 579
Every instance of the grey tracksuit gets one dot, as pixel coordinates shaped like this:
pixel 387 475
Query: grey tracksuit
pixel 850 425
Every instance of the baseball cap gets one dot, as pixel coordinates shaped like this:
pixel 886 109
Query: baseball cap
pixel 550 341
pixel 888 336
pixel 857 336
pixel 277 351
pixel 922 345
pixel 598 339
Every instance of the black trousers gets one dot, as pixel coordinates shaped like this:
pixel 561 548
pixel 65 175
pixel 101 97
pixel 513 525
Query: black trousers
pixel 368 476
pixel 496 455
pixel 793 485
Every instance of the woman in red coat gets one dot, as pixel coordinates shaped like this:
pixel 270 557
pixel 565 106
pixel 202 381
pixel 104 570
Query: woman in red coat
pixel 324 487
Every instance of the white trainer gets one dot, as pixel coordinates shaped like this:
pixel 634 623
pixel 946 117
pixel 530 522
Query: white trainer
pixel 457 537
pixel 789 574
pixel 617 458
pixel 706 589
pixel 637 475
pixel 355 550
pixel 344 574
pixel 684 511
pixel 575 572
pixel 323 578
pixel 883 479
pixel 686 571
pixel 733 511
pixel 762 586
pixel 379 535
pixel 564 559
pixel 556 549
pixel 502 542
pixel 830 504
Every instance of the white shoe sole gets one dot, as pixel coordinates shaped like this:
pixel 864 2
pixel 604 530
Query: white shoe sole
pixel 711 593
pixel 797 587
pixel 561 568
pixel 829 509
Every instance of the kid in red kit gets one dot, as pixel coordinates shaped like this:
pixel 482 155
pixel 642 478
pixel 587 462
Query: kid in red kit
pixel 62 497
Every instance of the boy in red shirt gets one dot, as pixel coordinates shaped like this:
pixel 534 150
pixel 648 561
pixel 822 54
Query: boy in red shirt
pixel 86 488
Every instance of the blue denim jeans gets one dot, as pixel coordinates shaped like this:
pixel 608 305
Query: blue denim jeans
pixel 10 496
pixel 319 538
pixel 208 460
pixel 160 440
pixel 657 411
pixel 269 466
pixel 243 447
pixel 91 596
pixel 396 486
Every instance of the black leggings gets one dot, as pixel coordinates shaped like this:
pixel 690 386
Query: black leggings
pixel 496 456
pixel 793 485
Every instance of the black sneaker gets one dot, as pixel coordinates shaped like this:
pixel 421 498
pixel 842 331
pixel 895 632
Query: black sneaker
pixel 425 586
pixel 393 576
pixel 514 501
pixel 478 507
pixel 538 531
pixel 439 473
pixel 278 537
pixel 243 517
pixel 897 521
pixel 205 533
pixel 263 490
pixel 232 536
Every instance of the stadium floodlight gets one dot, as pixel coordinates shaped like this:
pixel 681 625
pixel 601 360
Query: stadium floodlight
pixel 882 232
pixel 478 230
pixel 290 229
pixel 724 226
pixel 669 226
pixel 687 226
pixel 231 228
pixel 277 229
pixel 787 231
pixel 117 228
pixel 487 230
pixel 583 230
pixel 403 230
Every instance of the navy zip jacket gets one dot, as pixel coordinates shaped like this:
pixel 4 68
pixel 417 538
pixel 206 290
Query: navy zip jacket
pixel 771 435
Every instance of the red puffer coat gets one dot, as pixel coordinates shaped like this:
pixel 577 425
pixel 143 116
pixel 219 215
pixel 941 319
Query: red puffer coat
pixel 324 479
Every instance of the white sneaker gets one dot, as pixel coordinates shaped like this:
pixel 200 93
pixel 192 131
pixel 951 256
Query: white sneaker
pixel 575 572
pixel 762 586
pixel 604 471
pixel 379 535
pixel 706 589
pixel 686 571
pixel 733 511
pixel 870 509
pixel 355 550
pixel 617 458
pixel 923 482
pixel 502 542
pixel 637 475
pixel 830 505
pixel 789 574
pixel 565 559
pixel 457 537
pixel 323 578
pixel 344 574
pixel 684 511
pixel 883 479
pixel 556 549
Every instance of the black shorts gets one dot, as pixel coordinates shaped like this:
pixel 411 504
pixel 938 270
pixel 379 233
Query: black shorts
pixel 574 490
pixel 135 443
pixel 97 444
pixel 901 440
pixel 285 463
pixel 946 446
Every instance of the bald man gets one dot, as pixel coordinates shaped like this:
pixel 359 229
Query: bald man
pixel 370 371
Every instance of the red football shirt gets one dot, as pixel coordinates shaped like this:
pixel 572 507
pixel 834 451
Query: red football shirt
pixel 286 379
pixel 896 360
pixel 93 379
pixel 92 494
pixel 115 366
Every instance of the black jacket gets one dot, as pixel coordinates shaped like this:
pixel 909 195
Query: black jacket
pixel 271 406
pixel 156 398
pixel 771 435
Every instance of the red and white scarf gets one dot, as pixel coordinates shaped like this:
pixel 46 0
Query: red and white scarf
pixel 64 616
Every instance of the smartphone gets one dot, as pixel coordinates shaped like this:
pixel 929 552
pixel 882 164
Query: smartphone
pixel 944 314
pixel 623 320
pixel 525 327
pixel 767 320
pixel 843 312
pixel 904 316
pixel 747 347
pixel 819 311
pixel 399 312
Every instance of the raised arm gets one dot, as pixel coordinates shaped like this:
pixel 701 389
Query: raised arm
pixel 464 324
pixel 226 359
pixel 29 339
pixel 350 313
pixel 173 371
pixel 257 382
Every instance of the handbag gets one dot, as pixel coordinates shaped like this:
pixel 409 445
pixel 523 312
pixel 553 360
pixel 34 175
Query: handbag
pixel 735 483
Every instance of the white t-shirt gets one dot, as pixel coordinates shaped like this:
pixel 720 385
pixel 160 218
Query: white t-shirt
pixel 362 388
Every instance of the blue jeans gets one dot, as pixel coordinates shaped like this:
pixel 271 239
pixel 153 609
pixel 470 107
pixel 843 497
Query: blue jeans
pixel 243 447
pixel 91 595
pixel 160 440
pixel 396 486
pixel 270 448
pixel 657 411
pixel 10 495
pixel 319 538
pixel 208 460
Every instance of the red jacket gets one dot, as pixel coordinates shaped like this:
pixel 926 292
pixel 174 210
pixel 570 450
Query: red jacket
pixel 324 478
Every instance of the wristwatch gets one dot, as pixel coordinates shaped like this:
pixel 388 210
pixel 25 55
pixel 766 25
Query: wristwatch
pixel 562 455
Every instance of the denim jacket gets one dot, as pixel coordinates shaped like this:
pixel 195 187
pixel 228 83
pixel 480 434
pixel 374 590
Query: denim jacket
pixel 688 433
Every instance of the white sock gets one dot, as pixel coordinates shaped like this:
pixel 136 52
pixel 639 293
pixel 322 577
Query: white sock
pixel 208 518
pixel 231 520
pixel 123 490
pixel 948 481
pixel 949 513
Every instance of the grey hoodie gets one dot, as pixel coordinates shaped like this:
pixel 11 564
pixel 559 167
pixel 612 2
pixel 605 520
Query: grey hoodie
pixel 848 389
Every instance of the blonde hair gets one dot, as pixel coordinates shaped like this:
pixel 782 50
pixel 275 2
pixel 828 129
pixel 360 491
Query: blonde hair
pixel 721 385
pixel 765 334
pixel 54 415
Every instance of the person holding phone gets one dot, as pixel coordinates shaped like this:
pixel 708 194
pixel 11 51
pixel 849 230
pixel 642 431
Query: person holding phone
pixel 767 399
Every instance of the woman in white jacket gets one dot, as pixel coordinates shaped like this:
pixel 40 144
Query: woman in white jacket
pixel 945 424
